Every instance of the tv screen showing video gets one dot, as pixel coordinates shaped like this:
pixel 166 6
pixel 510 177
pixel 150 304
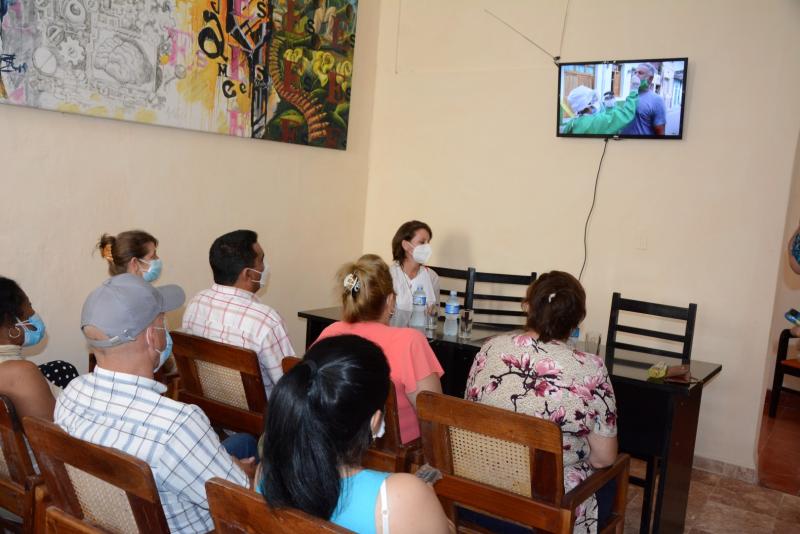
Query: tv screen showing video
pixel 641 99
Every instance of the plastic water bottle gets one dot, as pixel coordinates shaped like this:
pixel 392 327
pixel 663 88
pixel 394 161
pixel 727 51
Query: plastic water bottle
pixel 418 302
pixel 451 315
pixel 574 336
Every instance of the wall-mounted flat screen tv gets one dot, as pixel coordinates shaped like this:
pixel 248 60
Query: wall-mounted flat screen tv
pixel 641 99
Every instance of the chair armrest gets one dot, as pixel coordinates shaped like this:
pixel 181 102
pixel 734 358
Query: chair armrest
pixel 596 480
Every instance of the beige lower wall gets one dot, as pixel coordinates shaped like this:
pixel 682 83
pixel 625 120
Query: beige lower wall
pixel 66 179
pixel 464 138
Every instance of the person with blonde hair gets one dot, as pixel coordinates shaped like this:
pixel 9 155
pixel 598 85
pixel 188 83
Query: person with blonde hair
pixel 368 301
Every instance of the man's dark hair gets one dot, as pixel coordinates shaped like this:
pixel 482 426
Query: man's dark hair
pixel 230 253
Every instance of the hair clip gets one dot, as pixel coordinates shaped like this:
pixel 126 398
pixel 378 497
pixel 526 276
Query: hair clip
pixel 352 283
pixel 551 297
pixel 107 253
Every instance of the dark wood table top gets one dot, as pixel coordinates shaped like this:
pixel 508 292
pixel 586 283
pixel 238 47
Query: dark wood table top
pixel 628 366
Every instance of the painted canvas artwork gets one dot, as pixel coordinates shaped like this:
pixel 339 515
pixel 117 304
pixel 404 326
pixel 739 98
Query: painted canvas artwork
pixel 265 69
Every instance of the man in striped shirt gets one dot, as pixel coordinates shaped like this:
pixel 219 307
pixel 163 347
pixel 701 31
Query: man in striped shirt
pixel 231 313
pixel 119 405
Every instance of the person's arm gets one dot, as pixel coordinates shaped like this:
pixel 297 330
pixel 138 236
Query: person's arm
pixel 659 117
pixel 413 507
pixel 793 260
pixel 603 450
pixel 658 129
pixel 614 120
pixel 27 388
pixel 429 383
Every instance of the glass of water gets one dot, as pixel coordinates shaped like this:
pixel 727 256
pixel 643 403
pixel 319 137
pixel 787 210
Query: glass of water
pixel 465 323
pixel 593 342
pixel 431 317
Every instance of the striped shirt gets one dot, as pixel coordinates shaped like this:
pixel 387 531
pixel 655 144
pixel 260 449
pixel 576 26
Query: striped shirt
pixel 128 413
pixel 237 317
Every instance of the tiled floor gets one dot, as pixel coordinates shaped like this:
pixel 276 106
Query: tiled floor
pixel 719 504
pixel 779 446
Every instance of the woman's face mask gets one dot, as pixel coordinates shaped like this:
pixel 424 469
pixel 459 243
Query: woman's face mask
pixel 154 271
pixel 33 328
pixel 422 253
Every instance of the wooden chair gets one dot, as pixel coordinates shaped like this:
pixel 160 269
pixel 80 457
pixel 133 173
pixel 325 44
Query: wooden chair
pixel 497 305
pixel 455 278
pixel 18 479
pixel 225 381
pixel 688 315
pixel 237 510
pixel 508 465
pixel 388 453
pixel 619 304
pixel 783 366
pixel 94 488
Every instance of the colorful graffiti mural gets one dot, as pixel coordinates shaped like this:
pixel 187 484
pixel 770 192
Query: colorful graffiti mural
pixel 265 69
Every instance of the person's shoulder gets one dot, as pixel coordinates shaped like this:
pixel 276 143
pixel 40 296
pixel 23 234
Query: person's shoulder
pixel 19 367
pixel 431 273
pixel 407 486
pixel 415 501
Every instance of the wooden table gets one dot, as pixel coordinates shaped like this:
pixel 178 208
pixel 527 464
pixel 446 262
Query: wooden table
pixel 655 418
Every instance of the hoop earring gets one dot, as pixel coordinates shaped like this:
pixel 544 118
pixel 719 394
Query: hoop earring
pixel 19 332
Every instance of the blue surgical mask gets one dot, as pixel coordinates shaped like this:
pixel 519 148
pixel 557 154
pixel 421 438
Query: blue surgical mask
pixel 32 337
pixel 152 274
pixel 163 355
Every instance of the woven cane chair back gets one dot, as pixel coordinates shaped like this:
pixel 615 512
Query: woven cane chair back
pixel 99 487
pixel 225 381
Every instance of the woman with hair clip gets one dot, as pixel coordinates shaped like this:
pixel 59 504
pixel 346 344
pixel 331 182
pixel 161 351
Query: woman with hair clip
pixel 538 374
pixel 322 417
pixel 132 252
pixel 368 302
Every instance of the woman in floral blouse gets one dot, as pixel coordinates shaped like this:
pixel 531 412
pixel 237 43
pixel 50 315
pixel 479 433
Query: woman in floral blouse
pixel 538 374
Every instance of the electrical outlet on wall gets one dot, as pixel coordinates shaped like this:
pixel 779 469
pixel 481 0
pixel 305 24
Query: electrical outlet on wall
pixel 640 241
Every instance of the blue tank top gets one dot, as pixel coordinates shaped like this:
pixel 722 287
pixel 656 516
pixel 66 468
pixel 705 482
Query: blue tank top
pixel 356 508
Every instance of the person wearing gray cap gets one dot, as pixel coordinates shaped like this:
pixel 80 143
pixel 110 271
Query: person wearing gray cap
pixel 119 405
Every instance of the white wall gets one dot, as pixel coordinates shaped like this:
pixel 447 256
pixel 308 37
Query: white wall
pixel 67 178
pixel 463 137
pixel 787 290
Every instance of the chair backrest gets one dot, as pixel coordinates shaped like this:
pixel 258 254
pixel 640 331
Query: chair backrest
pixel 387 453
pixel 16 468
pixel 619 304
pixel 237 510
pixel 93 485
pixel 462 280
pixel 225 381
pixel 494 303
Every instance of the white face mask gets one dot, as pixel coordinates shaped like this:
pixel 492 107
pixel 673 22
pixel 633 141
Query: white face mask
pixel 262 281
pixel 422 253
pixel 381 429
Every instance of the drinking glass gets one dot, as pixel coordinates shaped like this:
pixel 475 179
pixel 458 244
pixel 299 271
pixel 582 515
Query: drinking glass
pixel 465 323
pixel 431 317
pixel 593 342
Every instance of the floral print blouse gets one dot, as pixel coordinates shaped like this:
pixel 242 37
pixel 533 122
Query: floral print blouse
pixel 551 381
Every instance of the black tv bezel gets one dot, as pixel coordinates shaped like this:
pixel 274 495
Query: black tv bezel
pixel 562 64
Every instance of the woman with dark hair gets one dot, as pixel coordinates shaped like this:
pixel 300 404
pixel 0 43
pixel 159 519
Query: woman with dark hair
pixel 367 305
pixel 322 416
pixel 538 374
pixel 411 249
pixel 21 326
pixel 132 252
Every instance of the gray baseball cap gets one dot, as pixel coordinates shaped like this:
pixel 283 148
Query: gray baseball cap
pixel 124 305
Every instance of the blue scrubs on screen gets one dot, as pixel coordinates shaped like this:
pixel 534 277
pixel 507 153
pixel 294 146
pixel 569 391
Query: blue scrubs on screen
pixel 650 111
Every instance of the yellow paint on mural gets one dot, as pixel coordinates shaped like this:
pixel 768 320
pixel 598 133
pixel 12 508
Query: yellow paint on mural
pixel 145 115
pixel 119 113
pixel 68 107
pixel 222 123
pixel 97 111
